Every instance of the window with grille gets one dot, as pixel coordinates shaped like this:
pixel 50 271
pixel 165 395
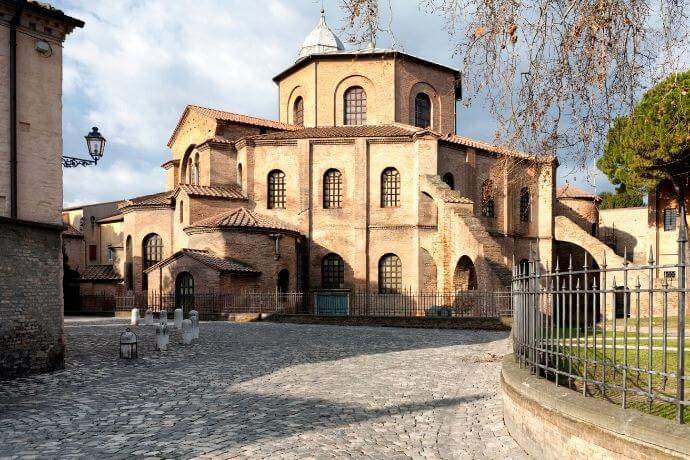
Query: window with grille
pixel 298 112
pixel 524 204
pixel 276 189
pixel 332 189
pixel 390 274
pixel 332 272
pixel 670 215
pixel 355 105
pixel 448 179
pixel 390 188
pixel 488 199
pixel 422 111
pixel 153 253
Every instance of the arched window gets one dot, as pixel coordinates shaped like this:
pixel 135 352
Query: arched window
pixel 390 274
pixel 332 272
pixel 390 188
pixel 448 179
pixel 524 204
pixel 181 211
pixel 422 111
pixel 152 250
pixel 276 189
pixel 196 172
pixel 129 278
pixel 239 175
pixel 298 112
pixel 488 199
pixel 190 173
pixel 332 189
pixel 184 291
pixel 355 106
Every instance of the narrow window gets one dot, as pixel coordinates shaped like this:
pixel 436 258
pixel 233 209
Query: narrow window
pixel 196 171
pixel 422 111
pixel 670 215
pixel 390 188
pixel 524 204
pixel 332 272
pixel 93 252
pixel 488 199
pixel 355 106
pixel 276 189
pixel 181 211
pixel 390 274
pixel 152 249
pixel 332 189
pixel 129 275
pixel 449 180
pixel 298 112
pixel 239 175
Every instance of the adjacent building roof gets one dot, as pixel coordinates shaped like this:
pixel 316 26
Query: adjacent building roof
pixel 162 199
pixel 570 191
pixel 240 218
pixel 222 264
pixel 99 273
pixel 320 40
pixel 229 192
pixel 111 219
pixel 71 232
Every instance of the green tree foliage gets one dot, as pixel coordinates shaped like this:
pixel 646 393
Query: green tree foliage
pixel 622 198
pixel 653 142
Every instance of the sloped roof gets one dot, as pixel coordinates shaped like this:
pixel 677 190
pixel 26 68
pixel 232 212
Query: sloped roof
pixel 240 218
pixel 570 191
pixel 161 199
pixel 110 219
pixel 222 264
pixel 493 148
pixel 71 232
pixel 325 132
pixel 230 192
pixel 222 115
pixel 99 273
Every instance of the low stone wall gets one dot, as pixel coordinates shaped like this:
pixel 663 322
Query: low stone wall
pixel 421 322
pixel 31 334
pixel 551 422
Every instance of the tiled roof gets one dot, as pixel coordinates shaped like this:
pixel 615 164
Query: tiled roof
pixel 156 199
pixel 107 220
pixel 241 218
pixel 223 264
pixel 342 131
pixel 51 11
pixel 71 232
pixel 570 191
pixel 214 192
pixel 493 148
pixel 99 273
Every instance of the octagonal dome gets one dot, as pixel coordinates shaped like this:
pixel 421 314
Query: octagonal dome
pixel 320 40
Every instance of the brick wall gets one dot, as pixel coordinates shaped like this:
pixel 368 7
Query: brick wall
pixel 31 334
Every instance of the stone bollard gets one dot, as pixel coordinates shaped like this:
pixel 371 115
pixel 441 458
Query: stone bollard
pixel 163 317
pixel 135 317
pixel 178 317
pixel 148 318
pixel 194 318
pixel 162 337
pixel 187 333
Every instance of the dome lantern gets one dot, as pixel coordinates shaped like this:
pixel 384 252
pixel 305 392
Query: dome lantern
pixel 320 40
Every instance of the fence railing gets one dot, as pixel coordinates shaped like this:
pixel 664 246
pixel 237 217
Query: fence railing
pixel 334 303
pixel 611 332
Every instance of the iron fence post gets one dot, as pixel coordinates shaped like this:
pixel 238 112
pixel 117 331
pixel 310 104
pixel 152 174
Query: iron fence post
pixel 680 347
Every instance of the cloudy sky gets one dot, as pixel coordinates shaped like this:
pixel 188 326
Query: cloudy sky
pixel 137 63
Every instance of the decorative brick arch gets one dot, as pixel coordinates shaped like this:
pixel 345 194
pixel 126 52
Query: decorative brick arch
pixel 297 91
pixel 184 162
pixel 339 94
pixel 426 88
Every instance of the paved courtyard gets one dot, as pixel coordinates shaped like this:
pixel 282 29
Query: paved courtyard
pixel 264 390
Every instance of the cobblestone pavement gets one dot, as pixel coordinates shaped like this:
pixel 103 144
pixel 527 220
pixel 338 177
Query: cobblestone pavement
pixel 259 390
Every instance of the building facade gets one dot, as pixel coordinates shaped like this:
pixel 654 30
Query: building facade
pixel 31 296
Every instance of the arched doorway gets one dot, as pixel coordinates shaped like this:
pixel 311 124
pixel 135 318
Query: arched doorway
pixel 567 254
pixel 184 291
pixel 283 283
pixel 465 276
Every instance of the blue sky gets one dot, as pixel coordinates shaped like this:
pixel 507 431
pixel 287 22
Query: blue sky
pixel 136 64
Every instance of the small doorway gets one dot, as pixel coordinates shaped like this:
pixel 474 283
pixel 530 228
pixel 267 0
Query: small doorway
pixel 184 291
pixel 283 283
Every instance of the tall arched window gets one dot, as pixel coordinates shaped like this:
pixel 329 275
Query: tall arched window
pixel 298 112
pixel 332 189
pixel 129 278
pixel 390 188
pixel 152 250
pixel 355 106
pixel 422 111
pixel 181 211
pixel 488 199
pixel 190 168
pixel 276 189
pixel 332 272
pixel 390 274
pixel 239 175
pixel 449 180
pixel 524 204
pixel 196 172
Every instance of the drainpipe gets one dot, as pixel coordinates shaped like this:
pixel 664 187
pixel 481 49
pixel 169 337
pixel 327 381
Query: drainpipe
pixel 13 113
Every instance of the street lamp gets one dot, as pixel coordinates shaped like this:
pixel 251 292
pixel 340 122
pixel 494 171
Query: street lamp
pixel 95 143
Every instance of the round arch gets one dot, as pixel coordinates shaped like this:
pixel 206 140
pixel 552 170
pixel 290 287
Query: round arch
pixel 184 291
pixel 339 96
pixel 184 164
pixel 465 275
pixel 430 91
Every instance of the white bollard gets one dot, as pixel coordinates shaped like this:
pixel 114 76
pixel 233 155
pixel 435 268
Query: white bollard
pixel 163 317
pixel 194 318
pixel 162 337
pixel 148 318
pixel 187 333
pixel 135 317
pixel 178 317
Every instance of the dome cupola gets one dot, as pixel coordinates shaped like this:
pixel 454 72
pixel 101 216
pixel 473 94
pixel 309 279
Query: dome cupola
pixel 320 40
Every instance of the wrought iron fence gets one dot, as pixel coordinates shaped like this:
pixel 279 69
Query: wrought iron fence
pixel 89 303
pixel 611 332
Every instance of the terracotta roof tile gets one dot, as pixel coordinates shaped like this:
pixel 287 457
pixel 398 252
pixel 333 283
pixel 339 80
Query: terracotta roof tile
pixel 223 264
pixel 570 191
pixel 493 148
pixel 156 199
pixel 99 273
pixel 241 218
pixel 341 131
pixel 214 192
pixel 107 220
pixel 71 232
